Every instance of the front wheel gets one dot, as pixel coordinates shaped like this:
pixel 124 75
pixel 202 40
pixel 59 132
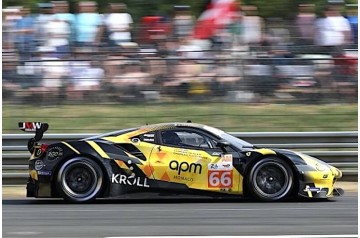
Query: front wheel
pixel 79 179
pixel 270 179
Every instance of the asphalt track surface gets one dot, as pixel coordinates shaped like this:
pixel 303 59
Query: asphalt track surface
pixel 171 217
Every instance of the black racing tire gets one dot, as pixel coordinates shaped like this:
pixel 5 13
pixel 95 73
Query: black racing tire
pixel 79 179
pixel 270 179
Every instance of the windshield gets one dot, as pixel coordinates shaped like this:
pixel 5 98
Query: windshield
pixel 239 143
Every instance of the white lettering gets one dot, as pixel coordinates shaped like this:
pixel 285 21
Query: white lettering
pixel 149 135
pixel 122 179
pixel 145 183
pixel 114 178
pixel 138 183
pixel 131 181
pixel 37 125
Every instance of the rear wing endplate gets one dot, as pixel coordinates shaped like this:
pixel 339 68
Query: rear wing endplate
pixel 38 127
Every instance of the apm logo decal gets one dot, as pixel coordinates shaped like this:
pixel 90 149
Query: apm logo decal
pixel 185 167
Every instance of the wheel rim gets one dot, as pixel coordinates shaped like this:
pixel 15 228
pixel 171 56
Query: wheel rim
pixel 271 180
pixel 80 180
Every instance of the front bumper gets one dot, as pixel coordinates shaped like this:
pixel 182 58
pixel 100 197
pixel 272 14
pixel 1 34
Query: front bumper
pixel 320 184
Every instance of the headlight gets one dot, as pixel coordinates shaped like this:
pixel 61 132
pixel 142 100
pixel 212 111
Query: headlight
pixel 320 167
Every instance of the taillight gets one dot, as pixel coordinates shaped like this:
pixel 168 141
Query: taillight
pixel 43 147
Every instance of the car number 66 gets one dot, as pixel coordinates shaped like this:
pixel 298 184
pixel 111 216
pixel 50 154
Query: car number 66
pixel 220 179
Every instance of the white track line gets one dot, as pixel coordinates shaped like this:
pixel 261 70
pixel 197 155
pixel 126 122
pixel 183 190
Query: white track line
pixel 275 236
pixel 175 210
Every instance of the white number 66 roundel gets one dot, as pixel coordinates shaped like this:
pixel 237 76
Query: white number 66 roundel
pixel 220 179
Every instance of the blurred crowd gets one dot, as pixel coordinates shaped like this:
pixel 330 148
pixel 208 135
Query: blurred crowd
pixel 56 55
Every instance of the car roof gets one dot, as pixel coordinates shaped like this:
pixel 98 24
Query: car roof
pixel 166 126
pixel 131 132
pixel 161 126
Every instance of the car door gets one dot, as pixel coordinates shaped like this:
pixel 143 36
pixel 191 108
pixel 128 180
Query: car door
pixel 189 159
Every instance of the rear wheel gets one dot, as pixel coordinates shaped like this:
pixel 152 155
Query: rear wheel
pixel 270 179
pixel 80 179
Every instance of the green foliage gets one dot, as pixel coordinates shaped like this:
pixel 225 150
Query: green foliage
pixel 138 8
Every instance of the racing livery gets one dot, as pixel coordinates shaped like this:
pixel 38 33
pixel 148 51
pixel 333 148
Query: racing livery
pixel 177 157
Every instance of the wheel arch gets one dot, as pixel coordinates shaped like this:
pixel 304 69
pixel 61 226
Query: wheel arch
pixel 98 161
pixel 259 157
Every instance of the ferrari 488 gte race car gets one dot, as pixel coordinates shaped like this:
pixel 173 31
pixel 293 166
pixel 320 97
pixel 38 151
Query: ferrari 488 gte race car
pixel 171 157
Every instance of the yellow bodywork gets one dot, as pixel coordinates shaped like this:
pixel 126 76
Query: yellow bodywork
pixel 194 168
pixel 184 166
pixel 323 175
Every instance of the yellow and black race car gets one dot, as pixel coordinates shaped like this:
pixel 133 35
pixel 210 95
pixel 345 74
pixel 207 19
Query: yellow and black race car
pixel 177 157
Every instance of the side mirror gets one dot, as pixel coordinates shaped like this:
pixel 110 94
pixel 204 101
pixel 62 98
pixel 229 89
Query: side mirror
pixel 223 144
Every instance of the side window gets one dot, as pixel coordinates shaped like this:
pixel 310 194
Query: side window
pixel 183 138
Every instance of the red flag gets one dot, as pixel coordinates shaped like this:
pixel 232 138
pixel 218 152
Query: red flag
pixel 217 15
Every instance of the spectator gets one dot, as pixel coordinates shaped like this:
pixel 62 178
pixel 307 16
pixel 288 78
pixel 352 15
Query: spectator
pixel 62 13
pixel 352 16
pixel 305 23
pixel 333 31
pixel 133 75
pixel 253 26
pixel 88 25
pixel 189 49
pixel 131 82
pixel 10 16
pixel 58 34
pixel 183 21
pixel 118 24
pixel 10 78
pixel 277 34
pixel 85 78
pixel 25 43
pixel 235 28
pixel 45 15
pixel 51 71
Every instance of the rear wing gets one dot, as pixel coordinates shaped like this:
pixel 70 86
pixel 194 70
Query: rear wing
pixel 38 127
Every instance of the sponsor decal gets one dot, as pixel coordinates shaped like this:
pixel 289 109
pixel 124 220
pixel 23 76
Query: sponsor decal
pixel 55 153
pixel 312 189
pixel 29 126
pixel 39 164
pixel 220 166
pixel 46 173
pixel 38 152
pixel 220 175
pixel 189 153
pixel 227 158
pixel 129 180
pixel 149 135
pixel 216 154
pixel 220 179
pixel 178 177
pixel 185 167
